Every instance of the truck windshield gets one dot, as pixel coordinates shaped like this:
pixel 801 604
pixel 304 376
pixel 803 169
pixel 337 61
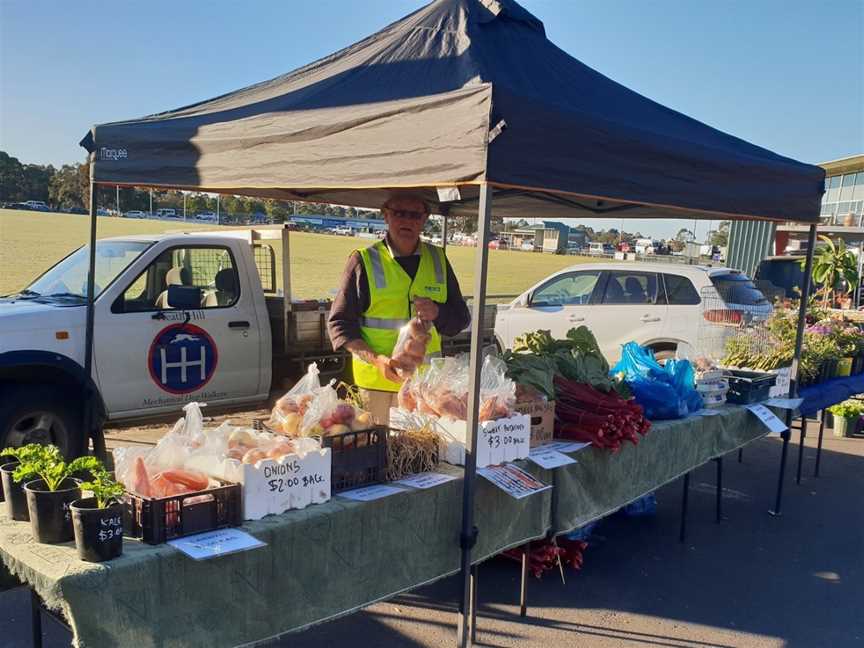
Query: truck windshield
pixel 68 279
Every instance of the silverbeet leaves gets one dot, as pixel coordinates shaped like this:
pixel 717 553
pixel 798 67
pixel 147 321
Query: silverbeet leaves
pixel 536 358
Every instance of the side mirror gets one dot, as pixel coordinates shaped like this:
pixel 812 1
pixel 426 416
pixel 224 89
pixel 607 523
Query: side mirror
pixel 184 297
pixel 524 301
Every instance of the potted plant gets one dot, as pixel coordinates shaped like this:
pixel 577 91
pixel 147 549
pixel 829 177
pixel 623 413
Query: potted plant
pixel 51 490
pixel 13 489
pixel 98 520
pixel 835 269
pixel 5 459
pixel 846 415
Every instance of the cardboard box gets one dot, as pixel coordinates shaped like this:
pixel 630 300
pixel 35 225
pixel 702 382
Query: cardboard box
pixel 542 413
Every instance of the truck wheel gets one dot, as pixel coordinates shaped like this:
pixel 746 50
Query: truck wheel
pixel 40 415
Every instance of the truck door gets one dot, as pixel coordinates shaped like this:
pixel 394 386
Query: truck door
pixel 153 358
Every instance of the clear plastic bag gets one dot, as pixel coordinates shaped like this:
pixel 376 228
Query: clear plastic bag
pixel 328 414
pixel 410 350
pixel 441 390
pixel 288 412
pixel 497 391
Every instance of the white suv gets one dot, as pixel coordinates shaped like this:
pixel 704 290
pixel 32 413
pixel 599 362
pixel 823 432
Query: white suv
pixel 663 306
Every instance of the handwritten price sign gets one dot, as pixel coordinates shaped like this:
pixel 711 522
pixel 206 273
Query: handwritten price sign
pixel 277 486
pixel 504 440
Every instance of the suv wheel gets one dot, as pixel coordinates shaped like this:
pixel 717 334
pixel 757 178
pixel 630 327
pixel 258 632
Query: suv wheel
pixel 665 353
pixel 40 415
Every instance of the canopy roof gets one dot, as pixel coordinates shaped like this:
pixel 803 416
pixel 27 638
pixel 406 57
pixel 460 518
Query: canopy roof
pixel 455 94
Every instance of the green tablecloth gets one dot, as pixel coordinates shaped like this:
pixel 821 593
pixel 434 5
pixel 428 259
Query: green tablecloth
pixel 334 558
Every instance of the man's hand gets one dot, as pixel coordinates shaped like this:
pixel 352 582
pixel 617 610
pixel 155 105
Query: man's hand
pixel 387 368
pixel 427 310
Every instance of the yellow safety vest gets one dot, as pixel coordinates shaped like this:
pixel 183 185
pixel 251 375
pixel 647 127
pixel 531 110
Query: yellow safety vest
pixel 391 305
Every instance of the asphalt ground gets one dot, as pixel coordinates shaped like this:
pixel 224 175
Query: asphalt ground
pixel 753 580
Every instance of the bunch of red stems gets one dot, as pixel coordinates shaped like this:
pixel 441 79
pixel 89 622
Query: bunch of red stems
pixel 606 420
pixel 544 555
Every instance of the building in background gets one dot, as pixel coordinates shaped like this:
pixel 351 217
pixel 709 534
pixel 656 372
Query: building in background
pixel 768 252
pixel 843 200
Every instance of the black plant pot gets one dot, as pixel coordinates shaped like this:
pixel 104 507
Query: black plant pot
pixel 98 532
pixel 826 370
pixel 16 501
pixel 5 459
pixel 50 516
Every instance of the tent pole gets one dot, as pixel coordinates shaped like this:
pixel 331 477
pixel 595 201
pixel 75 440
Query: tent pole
pixel 90 400
pixel 796 361
pixel 444 232
pixel 468 536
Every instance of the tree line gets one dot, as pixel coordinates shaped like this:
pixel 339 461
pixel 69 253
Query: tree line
pixel 69 188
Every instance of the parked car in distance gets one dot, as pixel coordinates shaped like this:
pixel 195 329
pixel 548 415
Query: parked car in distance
pixel 36 205
pixel 663 307
pixel 208 216
pixel 166 212
pixel 601 249
pixel 136 213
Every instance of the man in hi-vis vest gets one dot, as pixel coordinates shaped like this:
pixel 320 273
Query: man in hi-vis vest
pixel 384 286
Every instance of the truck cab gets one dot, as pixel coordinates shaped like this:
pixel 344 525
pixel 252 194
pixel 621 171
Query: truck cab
pixel 177 318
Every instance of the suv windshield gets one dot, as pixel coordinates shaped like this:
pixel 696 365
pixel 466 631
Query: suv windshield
pixel 68 279
pixel 736 288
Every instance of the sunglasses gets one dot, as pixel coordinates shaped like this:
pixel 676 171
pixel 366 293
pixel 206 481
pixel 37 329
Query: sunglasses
pixel 405 214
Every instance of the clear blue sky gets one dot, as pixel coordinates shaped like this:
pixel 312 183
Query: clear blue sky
pixel 785 75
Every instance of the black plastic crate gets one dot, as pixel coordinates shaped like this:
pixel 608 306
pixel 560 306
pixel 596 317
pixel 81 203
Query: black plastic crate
pixel 357 458
pixel 746 387
pixel 160 519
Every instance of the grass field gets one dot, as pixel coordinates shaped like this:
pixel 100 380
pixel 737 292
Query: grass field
pixel 30 242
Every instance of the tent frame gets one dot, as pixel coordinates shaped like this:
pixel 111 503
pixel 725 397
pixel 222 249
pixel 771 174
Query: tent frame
pixel 466 629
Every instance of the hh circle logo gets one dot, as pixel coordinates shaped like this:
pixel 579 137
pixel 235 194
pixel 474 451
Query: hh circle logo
pixel 182 358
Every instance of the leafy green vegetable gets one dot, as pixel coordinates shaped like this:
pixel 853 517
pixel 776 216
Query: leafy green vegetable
pixel 537 356
pixel 104 488
pixel 534 370
pixel 46 462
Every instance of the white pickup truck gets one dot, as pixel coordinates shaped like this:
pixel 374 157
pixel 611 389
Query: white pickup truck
pixel 178 317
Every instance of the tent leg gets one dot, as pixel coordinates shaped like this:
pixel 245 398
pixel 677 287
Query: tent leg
pixel 90 429
pixel 468 535
pixel 796 361
pixel 819 444
pixel 801 448
pixel 35 619
pixel 740 455
pixel 778 500
pixel 719 503
pixel 682 534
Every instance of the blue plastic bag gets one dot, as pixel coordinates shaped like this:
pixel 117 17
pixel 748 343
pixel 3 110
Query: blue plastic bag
pixel 645 506
pixel 664 391
pixel 583 533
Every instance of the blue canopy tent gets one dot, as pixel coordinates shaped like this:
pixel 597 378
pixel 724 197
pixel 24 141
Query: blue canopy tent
pixel 462 101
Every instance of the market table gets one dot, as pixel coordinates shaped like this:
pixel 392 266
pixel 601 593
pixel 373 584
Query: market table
pixel 819 397
pixel 334 558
